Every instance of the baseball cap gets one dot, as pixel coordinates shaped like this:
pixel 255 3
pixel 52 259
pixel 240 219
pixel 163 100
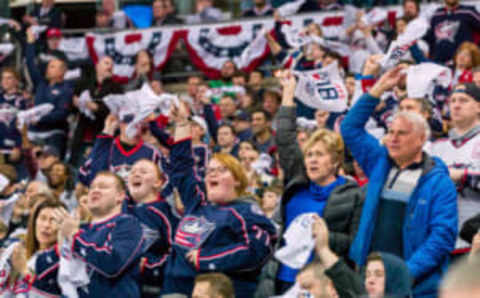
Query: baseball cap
pixel 241 115
pixel 54 32
pixel 469 89
pixel 200 121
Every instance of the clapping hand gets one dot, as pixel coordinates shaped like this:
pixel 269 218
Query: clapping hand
pixel 68 225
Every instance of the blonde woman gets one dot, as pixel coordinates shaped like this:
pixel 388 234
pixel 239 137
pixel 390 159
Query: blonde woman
pixel 313 183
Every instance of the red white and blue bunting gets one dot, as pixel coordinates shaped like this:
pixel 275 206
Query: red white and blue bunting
pixel 208 46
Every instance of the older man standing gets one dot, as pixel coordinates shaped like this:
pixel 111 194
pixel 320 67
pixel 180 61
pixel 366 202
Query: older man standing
pixel 411 208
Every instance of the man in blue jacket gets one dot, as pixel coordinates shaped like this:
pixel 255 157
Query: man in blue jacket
pixel 410 208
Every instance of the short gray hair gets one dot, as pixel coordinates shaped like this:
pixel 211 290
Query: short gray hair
pixel 417 120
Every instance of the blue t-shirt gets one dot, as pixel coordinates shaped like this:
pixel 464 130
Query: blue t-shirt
pixel 309 199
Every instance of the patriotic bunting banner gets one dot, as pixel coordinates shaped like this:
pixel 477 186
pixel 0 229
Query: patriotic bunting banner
pixel 208 46
pixel 124 46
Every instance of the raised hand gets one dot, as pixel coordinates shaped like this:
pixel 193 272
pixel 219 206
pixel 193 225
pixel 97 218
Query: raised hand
pixel 387 81
pixel 19 259
pixel 111 124
pixel 289 83
pixel 320 233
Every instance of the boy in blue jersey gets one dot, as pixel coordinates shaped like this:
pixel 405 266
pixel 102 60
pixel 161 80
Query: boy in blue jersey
pixel 158 220
pixel 111 245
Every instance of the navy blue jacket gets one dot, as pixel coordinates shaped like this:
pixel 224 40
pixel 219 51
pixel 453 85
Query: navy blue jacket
pixel 59 94
pixel 430 226
pixel 46 270
pixel 234 238
pixel 159 224
pixel 108 154
pixel 112 250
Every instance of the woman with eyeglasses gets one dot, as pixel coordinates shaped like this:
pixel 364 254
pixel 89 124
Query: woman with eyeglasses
pixel 223 229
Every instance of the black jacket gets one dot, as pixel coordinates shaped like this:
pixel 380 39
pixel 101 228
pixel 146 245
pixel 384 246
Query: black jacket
pixel 97 92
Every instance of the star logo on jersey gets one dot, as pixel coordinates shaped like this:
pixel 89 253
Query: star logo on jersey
pixel 193 231
pixel 122 171
pixel 447 30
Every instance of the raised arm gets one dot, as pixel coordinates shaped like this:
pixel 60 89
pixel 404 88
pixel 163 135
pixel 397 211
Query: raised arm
pixel 366 148
pixel 345 280
pixel 290 155
pixel 182 174
pixel 30 55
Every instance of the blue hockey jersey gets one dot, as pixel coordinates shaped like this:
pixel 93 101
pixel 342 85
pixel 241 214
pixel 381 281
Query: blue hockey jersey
pixel 235 238
pixel 112 250
pixel 108 154
pixel 159 223
pixel 449 28
pixel 46 265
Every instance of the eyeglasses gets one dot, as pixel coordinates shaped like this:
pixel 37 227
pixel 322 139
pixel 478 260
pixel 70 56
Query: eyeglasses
pixel 219 170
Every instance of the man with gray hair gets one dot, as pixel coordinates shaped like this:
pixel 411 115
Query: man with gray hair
pixel 410 209
pixel 461 152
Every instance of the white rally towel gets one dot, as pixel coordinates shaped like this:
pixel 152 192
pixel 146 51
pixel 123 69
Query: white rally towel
pixel 322 89
pixel 262 164
pixel 34 114
pixel 74 47
pixel 115 102
pixel 290 8
pixel 5 264
pixel 6 49
pixel 336 46
pixel 4 182
pixel 349 15
pixel 147 102
pixel 38 29
pixel 415 30
pixel 138 105
pixel 83 100
pixel 299 242
pixel 4 21
pixel 72 273
pixel 374 17
pixel 6 209
pixel 306 123
pixel 422 79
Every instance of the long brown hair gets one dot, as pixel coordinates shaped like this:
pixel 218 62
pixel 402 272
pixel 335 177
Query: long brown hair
pixel 44 201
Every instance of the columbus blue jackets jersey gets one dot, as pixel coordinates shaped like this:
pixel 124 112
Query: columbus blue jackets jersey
pixel 112 250
pixel 159 223
pixel 108 154
pixel 235 238
pixel 449 28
